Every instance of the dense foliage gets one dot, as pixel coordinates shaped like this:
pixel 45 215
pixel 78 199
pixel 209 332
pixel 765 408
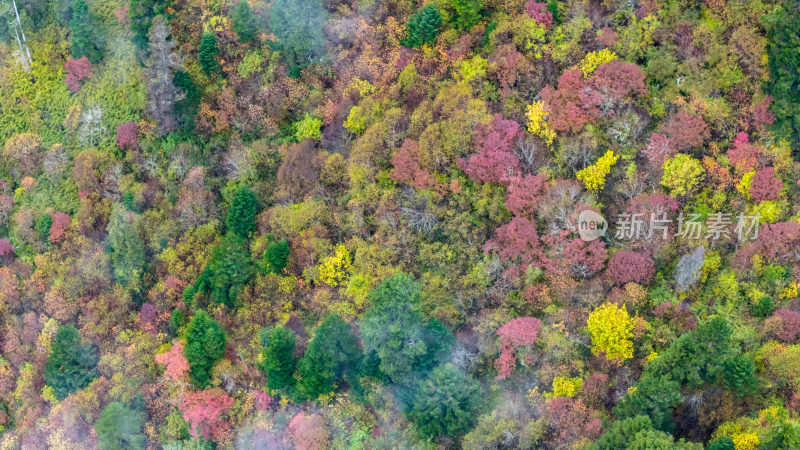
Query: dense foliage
pixel 554 224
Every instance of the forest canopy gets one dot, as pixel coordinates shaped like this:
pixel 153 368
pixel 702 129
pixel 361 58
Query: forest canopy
pixel 436 224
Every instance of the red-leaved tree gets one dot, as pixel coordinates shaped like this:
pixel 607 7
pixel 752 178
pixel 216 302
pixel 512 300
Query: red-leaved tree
pixel 5 247
pixel 743 155
pixel 686 131
pixel 574 256
pixel 524 193
pixel 571 106
pixel 765 185
pixel 570 421
pixel 128 136
pixel 539 13
pixel 406 168
pixel 517 244
pixel 789 329
pixel 659 150
pixel 504 64
pixel 777 242
pixel 308 432
pixel 59 227
pixel 761 115
pixel 176 364
pixel 203 411
pixel 495 160
pixel 618 80
pixel 519 333
pixel 631 267
pixel 76 71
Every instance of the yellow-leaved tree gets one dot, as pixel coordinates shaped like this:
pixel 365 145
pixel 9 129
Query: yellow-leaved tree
pixel 612 329
pixel 537 122
pixel 336 269
pixel 593 60
pixel 594 176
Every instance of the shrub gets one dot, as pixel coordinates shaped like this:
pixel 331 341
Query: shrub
pixel 308 128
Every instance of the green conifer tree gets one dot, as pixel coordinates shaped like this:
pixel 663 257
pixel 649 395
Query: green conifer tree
pixel 71 365
pixel 423 27
pixel 468 13
pixel 784 68
pixel 207 54
pixel 86 38
pixel 244 23
pixel 332 357
pixel 298 25
pixel 127 248
pixel 205 344
pixel 277 357
pixel 241 218
pixel 276 256
pixel 120 427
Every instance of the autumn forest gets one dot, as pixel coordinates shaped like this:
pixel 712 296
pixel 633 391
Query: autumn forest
pixel 399 224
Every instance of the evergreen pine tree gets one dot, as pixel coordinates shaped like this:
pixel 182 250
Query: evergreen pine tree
pixel 141 15
pixel 205 344
pixel 120 427
pixel 208 53
pixel 85 37
pixel 423 27
pixel 332 356
pixel 71 365
pixel 468 13
pixel 394 329
pixel 276 256
pixel 277 357
pixel 127 249
pixel 244 21
pixel 298 26
pixel 445 403
pixel 241 218
pixel 229 268
pixel 784 69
